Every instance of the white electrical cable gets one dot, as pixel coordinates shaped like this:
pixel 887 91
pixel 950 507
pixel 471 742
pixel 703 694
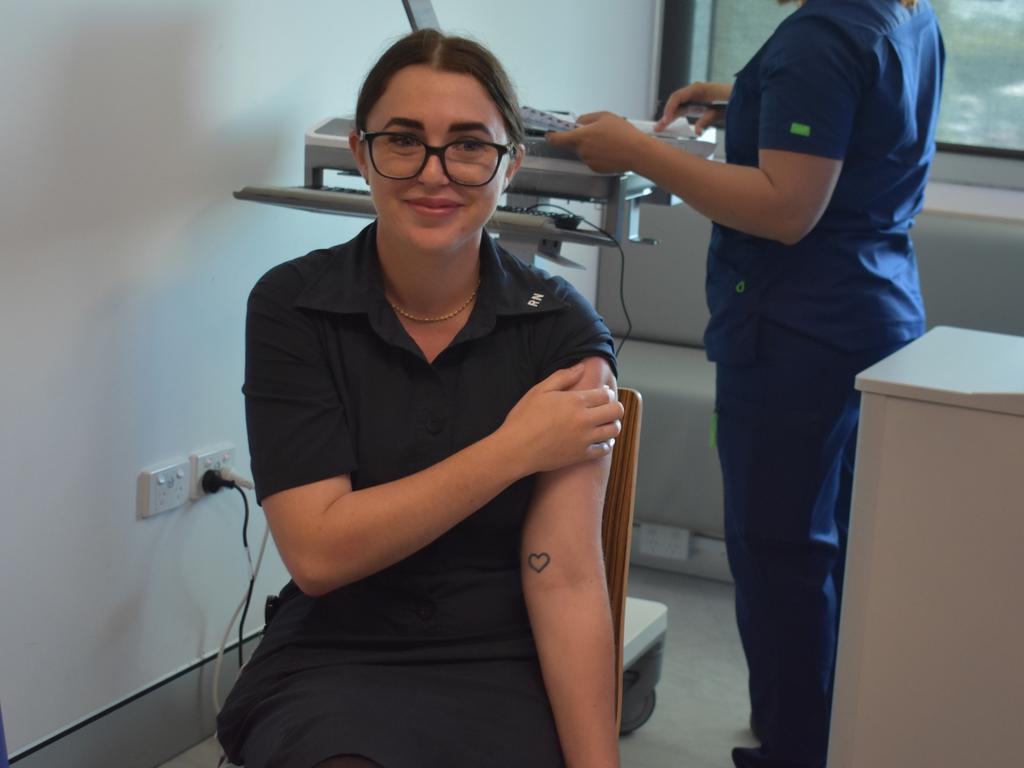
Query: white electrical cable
pixel 253 573
pixel 241 482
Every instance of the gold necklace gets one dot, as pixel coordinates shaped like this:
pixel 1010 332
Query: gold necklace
pixel 439 318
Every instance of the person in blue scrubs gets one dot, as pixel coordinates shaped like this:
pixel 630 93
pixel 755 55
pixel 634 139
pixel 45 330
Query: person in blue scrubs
pixel 811 277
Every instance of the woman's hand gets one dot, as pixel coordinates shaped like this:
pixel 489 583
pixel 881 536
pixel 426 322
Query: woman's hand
pixel 607 143
pixel 695 92
pixel 551 427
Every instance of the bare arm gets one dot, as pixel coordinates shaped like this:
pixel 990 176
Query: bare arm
pixel 329 535
pixel 567 598
pixel 781 199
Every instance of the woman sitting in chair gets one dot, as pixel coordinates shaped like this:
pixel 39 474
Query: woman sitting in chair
pixel 430 422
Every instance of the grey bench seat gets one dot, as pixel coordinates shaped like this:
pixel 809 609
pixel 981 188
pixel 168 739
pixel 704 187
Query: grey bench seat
pixel 678 477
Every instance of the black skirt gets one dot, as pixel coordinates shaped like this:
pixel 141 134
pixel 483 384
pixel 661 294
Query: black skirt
pixel 411 674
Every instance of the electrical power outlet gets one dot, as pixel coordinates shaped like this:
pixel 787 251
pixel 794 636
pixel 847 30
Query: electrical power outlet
pixel 665 541
pixel 162 487
pixel 220 456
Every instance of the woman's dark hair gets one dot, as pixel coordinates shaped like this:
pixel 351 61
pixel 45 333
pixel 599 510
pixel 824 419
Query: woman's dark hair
pixel 445 53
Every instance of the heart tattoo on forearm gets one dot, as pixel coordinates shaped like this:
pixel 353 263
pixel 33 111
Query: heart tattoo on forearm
pixel 539 561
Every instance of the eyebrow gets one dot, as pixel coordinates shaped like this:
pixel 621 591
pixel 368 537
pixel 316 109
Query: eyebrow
pixel 406 122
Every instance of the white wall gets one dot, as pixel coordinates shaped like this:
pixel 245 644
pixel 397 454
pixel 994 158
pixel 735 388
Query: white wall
pixel 124 266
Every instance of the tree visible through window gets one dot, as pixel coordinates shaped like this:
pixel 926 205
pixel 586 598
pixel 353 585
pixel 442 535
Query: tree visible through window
pixel 983 100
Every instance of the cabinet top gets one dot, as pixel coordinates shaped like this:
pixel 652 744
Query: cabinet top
pixel 955 366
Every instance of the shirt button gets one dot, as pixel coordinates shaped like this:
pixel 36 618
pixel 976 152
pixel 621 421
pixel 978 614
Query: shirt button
pixel 426 611
pixel 435 424
pixel 741 286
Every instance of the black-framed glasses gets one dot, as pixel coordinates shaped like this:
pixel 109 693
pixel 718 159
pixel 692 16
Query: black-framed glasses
pixel 469 162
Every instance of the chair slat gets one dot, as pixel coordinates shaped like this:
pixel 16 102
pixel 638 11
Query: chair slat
pixel 617 524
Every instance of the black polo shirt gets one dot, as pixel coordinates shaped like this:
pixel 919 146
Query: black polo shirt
pixel 334 385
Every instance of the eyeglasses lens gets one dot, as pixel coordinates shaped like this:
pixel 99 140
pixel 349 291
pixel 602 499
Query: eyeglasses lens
pixel 467 162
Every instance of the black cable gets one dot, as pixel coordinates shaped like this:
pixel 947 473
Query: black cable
pixel 252 576
pixel 212 482
pixel 245 520
pixel 622 265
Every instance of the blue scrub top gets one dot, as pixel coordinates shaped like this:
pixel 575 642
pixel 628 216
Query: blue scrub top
pixel 858 81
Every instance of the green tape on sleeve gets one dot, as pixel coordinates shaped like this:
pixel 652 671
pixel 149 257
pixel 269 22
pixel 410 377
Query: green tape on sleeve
pixel 713 432
pixel 800 129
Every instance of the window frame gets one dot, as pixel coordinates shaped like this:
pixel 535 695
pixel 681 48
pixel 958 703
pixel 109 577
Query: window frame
pixel 978 166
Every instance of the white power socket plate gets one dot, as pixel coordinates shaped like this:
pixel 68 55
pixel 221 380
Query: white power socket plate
pixel 162 487
pixel 665 541
pixel 220 456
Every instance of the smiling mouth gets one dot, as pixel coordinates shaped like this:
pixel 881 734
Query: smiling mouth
pixel 435 206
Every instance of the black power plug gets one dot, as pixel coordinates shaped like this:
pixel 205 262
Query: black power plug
pixel 213 481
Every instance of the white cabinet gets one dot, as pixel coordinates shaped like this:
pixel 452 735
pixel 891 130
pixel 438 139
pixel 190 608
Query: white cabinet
pixel 930 670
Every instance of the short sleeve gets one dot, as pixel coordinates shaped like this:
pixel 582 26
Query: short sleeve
pixel 573 333
pixel 812 79
pixel 298 431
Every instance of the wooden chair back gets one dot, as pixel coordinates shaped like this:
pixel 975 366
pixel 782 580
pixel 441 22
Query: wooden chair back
pixel 617 524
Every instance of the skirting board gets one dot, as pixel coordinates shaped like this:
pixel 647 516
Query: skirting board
pixel 147 728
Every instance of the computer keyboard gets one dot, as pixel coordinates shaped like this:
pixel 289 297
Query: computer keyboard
pixel 560 219
pixel 542 120
pixel 511 214
pixel 508 222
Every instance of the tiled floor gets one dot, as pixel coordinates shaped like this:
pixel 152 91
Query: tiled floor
pixel 702 707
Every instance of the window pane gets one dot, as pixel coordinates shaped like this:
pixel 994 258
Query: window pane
pixel 739 28
pixel 983 100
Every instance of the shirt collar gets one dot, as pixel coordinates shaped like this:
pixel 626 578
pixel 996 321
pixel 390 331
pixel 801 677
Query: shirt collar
pixel 351 282
pixel 508 287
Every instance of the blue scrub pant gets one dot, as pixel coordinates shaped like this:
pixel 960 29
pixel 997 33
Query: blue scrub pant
pixel 787 432
pixel 3 743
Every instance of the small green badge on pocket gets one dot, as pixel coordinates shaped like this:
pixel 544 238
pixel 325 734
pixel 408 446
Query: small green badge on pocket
pixel 800 129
